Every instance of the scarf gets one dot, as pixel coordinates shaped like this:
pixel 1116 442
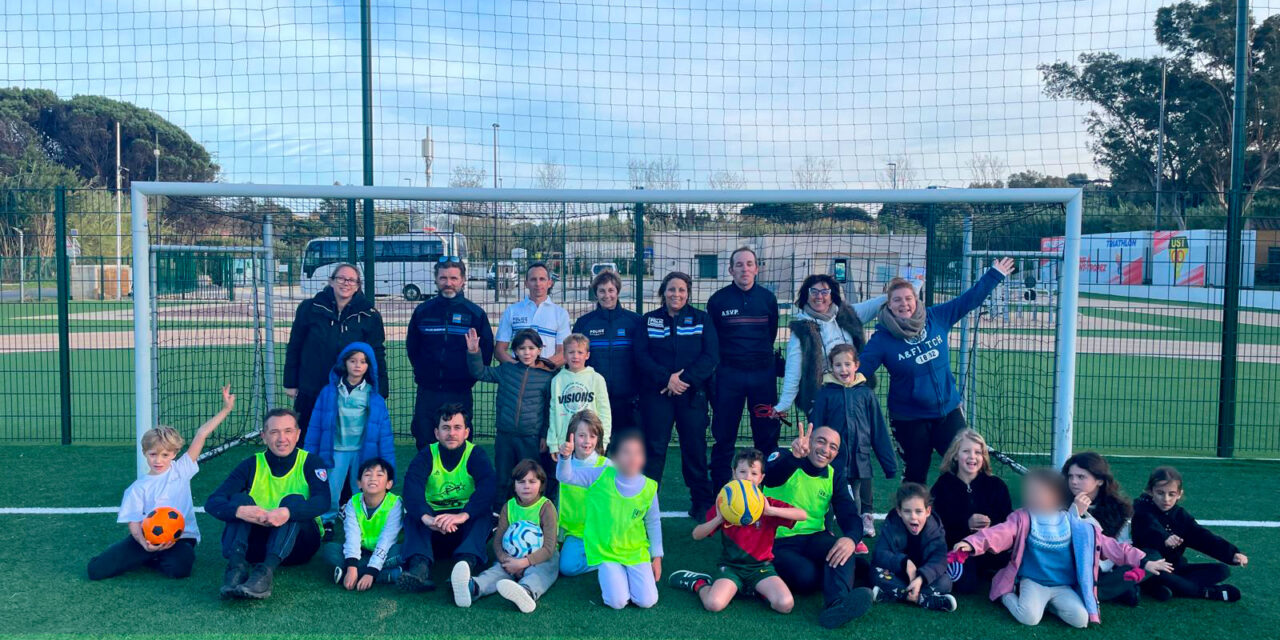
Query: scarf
pixel 903 329
pixel 821 317
pixel 857 379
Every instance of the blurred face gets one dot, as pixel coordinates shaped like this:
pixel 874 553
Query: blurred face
pixel 528 488
pixel 607 295
pixel 449 281
pixel 1166 495
pixel 676 295
pixel 538 282
pixel 629 458
pixel 357 365
pixel 374 481
pixel 159 460
pixel 914 513
pixel 824 444
pixel 820 296
pixel 844 366
pixel 345 283
pixel 1081 481
pixel 902 302
pixel 452 432
pixel 743 269
pixel 575 355
pixel 749 471
pixel 527 353
pixel 1040 498
pixel 969 460
pixel 584 441
pixel 280 434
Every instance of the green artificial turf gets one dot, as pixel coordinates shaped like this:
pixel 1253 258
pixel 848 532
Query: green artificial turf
pixel 47 593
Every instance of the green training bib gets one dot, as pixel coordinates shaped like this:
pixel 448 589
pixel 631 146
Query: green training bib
pixel 449 490
pixel 813 494
pixel 371 526
pixel 614 529
pixel 573 506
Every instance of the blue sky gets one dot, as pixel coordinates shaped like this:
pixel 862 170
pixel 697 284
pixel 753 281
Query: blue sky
pixel 271 87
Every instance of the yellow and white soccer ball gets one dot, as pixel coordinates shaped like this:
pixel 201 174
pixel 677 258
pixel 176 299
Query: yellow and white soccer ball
pixel 740 502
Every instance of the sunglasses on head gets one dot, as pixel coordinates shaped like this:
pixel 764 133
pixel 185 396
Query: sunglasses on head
pixel 448 259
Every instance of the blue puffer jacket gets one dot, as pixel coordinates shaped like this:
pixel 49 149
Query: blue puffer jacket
pixel 378 440
pixel 921 385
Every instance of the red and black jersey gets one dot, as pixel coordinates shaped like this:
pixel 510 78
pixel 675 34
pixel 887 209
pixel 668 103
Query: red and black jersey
pixel 752 543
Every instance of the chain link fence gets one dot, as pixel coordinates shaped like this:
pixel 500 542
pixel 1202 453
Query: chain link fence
pixel 1150 325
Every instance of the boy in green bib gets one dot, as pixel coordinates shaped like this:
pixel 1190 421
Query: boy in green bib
pixel 524 544
pixel 809 556
pixel 587 432
pixel 448 492
pixel 271 504
pixel 371 527
pixel 623 529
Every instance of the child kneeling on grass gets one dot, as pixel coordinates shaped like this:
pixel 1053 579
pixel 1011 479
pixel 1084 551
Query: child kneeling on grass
pixel 623 530
pixel 910 561
pixel 1161 525
pixel 372 520
pixel 167 484
pixel 746 551
pixel 1055 555
pixel 521 574
pixel 587 433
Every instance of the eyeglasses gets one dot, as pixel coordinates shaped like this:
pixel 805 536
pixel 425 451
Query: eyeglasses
pixel 448 259
pixel 819 293
pixel 344 280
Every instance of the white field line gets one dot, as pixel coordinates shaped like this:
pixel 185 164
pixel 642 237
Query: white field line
pixel 75 511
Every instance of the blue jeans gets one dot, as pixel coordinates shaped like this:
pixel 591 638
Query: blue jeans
pixel 573 557
pixel 346 467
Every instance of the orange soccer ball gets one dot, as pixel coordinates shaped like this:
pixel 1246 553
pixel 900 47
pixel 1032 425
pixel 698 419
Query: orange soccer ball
pixel 162 525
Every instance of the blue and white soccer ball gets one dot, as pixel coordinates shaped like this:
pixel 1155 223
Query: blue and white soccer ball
pixel 522 539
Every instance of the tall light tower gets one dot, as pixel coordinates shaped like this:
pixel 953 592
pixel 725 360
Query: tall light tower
pixel 428 154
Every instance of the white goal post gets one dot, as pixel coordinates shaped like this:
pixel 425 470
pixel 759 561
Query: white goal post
pixel 1068 285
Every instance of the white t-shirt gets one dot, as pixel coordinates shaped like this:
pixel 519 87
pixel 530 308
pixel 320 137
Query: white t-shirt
pixel 549 319
pixel 169 489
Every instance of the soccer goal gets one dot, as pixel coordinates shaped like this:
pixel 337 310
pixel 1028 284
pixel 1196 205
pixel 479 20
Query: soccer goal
pixel 251 253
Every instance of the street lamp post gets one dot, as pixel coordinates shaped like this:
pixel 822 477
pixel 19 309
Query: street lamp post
pixel 494 258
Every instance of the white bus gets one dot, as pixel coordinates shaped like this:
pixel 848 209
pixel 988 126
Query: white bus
pixel 405 264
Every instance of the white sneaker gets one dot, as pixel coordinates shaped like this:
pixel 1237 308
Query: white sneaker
pixel 868 525
pixel 460 580
pixel 518 595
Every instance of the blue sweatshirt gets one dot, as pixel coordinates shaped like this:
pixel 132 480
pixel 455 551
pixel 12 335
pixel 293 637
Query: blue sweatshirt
pixel 921 385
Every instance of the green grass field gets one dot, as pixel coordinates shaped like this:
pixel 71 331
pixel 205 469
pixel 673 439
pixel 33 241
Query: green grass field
pixel 48 594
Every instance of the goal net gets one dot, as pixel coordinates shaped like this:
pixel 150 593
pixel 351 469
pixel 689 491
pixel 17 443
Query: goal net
pixel 231 263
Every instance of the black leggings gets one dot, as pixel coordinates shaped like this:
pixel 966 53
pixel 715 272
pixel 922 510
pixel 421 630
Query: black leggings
pixel 920 438
pixel 174 562
pixel 1191 579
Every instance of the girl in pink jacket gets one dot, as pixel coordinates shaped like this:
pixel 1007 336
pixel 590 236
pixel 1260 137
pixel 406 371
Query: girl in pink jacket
pixel 1055 555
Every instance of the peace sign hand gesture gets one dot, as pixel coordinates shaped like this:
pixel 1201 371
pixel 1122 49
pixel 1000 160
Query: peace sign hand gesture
pixel 800 446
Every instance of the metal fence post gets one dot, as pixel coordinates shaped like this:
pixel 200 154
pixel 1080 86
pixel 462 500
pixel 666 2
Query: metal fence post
pixel 64 310
pixel 366 118
pixel 1231 289
pixel 351 232
pixel 269 282
pixel 638 216
pixel 930 256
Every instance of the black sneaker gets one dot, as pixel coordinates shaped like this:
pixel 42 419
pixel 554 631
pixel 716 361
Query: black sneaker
pixel 328 532
pixel 258 584
pixel 699 513
pixel 855 604
pixel 687 580
pixel 882 595
pixel 938 601
pixel 1129 597
pixel 1222 592
pixel 416 578
pixel 235 575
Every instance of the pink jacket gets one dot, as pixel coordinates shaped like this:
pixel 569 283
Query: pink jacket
pixel 1012 534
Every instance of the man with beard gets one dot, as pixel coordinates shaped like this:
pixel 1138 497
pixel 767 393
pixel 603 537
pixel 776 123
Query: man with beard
pixel 437 346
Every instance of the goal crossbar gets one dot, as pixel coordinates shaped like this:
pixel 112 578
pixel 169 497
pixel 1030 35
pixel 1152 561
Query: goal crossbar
pixel 1072 201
